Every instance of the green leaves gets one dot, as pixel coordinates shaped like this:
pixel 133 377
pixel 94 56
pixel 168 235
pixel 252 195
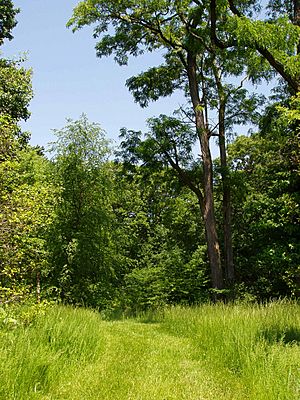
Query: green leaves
pixel 26 204
pixel 174 138
pixel 158 233
pixel 80 246
pixel 15 89
pixel 290 114
pixel 266 209
pixel 155 83
pixel 7 19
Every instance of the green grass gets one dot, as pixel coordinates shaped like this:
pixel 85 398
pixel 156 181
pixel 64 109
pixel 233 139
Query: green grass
pixel 209 352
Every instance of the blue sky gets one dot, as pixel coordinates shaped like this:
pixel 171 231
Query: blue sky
pixel 68 78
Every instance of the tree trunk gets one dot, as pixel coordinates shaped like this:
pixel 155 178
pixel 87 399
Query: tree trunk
pixel 213 246
pixel 228 250
pixel 208 212
pixel 297 12
pixel 227 212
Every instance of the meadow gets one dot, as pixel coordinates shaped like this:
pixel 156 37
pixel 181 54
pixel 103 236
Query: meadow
pixel 238 351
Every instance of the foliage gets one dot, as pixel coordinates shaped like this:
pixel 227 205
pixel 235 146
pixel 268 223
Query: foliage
pixel 266 212
pixel 82 267
pixel 9 131
pixel 15 95
pixel 15 89
pixel 159 232
pixel 7 19
pixel 272 38
pixel 26 202
pixel 193 63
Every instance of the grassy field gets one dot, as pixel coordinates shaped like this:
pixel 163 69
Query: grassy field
pixel 210 352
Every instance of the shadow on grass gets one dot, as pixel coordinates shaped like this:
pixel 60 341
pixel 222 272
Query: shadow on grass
pixel 286 335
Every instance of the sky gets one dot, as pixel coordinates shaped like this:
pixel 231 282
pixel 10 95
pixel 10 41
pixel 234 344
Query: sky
pixel 68 78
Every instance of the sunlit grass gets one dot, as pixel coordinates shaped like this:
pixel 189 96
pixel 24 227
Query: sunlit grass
pixel 256 347
pixel 209 352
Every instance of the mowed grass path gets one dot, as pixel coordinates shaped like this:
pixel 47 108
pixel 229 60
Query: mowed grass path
pixel 209 352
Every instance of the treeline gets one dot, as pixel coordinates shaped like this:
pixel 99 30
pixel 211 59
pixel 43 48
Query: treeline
pixel 151 223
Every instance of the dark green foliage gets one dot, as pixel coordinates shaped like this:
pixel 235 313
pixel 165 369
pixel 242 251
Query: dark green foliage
pixel 160 231
pixel 7 19
pixel 156 82
pixel 266 211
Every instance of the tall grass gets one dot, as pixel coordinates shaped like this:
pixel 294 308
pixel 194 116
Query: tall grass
pixel 36 358
pixel 253 347
pixel 208 352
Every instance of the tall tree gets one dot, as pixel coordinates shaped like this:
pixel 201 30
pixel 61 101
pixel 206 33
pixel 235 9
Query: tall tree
pixel 82 269
pixel 181 29
pixel 21 235
pixel 167 25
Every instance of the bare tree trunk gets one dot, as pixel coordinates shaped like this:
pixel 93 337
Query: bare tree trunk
pixel 208 211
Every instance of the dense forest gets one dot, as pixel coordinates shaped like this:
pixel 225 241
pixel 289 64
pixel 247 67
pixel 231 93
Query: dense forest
pixel 157 220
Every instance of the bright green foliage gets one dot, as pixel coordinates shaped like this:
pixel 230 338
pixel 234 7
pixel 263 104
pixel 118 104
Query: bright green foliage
pixel 15 95
pixel 278 36
pixel 25 199
pixel 290 114
pixel 82 268
pixel 271 40
pixel 15 89
pixel 26 202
